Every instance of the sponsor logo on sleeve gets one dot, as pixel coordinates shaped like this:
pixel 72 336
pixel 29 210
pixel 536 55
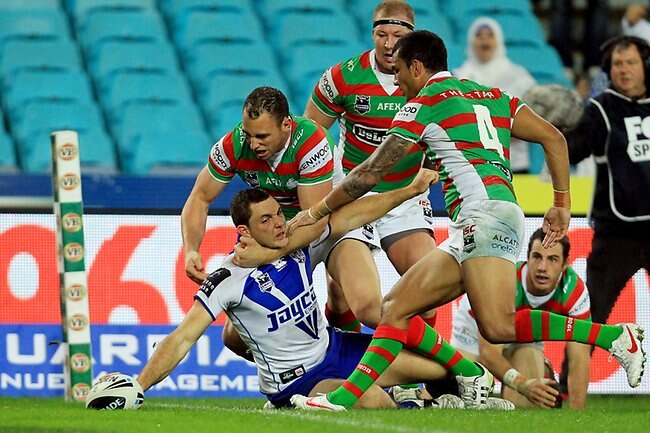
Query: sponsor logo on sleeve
pixel 408 112
pixel 316 158
pixel 327 87
pixel 218 156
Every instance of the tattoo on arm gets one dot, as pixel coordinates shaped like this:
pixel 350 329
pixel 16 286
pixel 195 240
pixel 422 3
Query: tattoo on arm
pixel 363 178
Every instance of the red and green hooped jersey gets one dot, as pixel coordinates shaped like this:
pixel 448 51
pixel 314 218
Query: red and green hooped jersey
pixel 570 297
pixel 464 128
pixel 365 100
pixel 305 160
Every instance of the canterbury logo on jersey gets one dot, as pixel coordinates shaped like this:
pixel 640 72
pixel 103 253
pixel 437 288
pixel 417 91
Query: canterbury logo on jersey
pixel 302 311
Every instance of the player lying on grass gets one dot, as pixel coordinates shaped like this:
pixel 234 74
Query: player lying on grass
pixel 545 282
pixel 275 311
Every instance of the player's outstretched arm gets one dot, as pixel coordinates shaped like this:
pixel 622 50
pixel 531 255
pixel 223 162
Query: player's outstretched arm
pixel 538 391
pixel 578 381
pixel 530 127
pixel 373 207
pixel 193 220
pixel 358 182
pixel 173 348
pixel 249 253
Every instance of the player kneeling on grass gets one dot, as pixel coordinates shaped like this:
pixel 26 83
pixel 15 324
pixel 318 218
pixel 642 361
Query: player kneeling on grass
pixel 275 311
pixel 544 282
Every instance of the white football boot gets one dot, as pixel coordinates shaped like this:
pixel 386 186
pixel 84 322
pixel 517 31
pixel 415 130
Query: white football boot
pixel 319 402
pixel 628 351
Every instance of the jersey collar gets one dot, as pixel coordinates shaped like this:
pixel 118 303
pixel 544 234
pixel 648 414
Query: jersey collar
pixel 387 81
pixel 439 76
pixel 274 160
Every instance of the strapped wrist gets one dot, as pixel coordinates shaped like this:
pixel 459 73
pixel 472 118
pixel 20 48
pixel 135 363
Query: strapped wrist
pixel 562 198
pixel 510 378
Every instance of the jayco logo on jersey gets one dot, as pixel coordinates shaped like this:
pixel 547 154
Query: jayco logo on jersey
pixel 638 137
pixel 408 112
pixel 264 282
pixel 303 311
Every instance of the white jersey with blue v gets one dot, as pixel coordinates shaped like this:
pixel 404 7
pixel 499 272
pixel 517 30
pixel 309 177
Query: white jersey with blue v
pixel 275 311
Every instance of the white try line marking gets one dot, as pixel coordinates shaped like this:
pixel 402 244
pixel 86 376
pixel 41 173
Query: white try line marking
pixel 346 422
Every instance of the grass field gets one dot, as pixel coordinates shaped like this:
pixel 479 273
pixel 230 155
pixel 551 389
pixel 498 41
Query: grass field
pixel 612 414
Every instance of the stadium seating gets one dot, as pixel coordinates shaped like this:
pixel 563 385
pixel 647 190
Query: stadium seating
pixel 542 62
pixel 56 86
pixel 319 31
pixel 276 12
pixel 8 161
pixel 171 152
pixel 140 54
pixel 18 55
pixel 29 5
pixel 82 10
pixel 126 57
pixel 178 9
pixel 128 89
pixel 228 27
pixel 214 59
pixel 137 26
pixel 46 25
pixel 138 118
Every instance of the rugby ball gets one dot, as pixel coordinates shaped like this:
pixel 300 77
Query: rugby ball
pixel 115 391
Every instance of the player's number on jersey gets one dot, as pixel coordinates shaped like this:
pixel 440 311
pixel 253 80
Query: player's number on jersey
pixel 486 130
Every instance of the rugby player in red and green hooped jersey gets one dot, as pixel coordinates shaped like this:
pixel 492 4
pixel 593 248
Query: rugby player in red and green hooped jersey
pixel 465 128
pixel 544 282
pixel 361 93
pixel 290 157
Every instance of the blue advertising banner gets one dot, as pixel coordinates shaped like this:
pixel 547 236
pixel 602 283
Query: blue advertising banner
pixel 32 361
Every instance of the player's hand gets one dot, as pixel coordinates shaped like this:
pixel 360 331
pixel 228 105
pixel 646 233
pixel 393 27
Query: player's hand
pixel 556 225
pixel 424 179
pixel 194 267
pixel 248 253
pixel 540 392
pixel 303 218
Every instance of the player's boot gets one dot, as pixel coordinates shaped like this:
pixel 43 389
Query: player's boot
pixel 474 390
pixel 269 406
pixel 319 402
pixel 406 398
pixel 628 351
pixel 448 401
pixel 495 403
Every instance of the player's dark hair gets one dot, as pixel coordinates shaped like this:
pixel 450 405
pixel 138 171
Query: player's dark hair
pixel 424 46
pixel 266 100
pixel 240 207
pixel 539 236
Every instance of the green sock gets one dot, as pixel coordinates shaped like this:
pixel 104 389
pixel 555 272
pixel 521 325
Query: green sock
pixel 424 340
pixel 538 325
pixel 382 351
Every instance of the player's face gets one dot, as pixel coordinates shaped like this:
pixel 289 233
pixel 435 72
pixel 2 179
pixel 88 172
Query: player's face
pixel 406 79
pixel 384 38
pixel 485 44
pixel 265 135
pixel 267 224
pixel 627 72
pixel 545 265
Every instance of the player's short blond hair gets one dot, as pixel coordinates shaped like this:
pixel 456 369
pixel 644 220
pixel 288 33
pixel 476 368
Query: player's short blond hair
pixel 389 8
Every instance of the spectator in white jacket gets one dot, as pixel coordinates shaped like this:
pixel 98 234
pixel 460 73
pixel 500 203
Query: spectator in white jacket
pixel 488 64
